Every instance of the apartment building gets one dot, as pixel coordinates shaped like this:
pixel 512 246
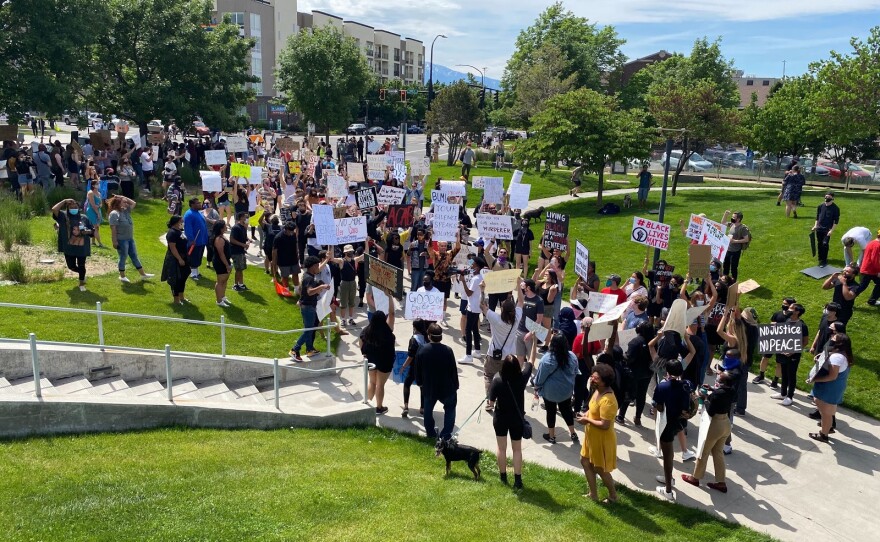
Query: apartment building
pixel 749 84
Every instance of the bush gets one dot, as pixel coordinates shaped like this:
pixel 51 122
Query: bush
pixel 189 177
pixel 60 193
pixel 13 268
pixel 37 202
pixel 156 189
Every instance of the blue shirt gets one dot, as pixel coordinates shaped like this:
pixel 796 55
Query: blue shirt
pixel 556 383
pixel 196 228
pixel 673 396
pixel 645 179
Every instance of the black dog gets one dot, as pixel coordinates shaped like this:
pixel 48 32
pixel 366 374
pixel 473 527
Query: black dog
pixel 534 214
pixel 453 451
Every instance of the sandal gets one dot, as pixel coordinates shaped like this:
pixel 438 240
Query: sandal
pixel 821 437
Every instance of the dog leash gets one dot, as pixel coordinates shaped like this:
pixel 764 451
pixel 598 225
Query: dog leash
pixel 457 431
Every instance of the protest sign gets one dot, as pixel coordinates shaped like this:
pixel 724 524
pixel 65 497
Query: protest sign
pixel 374 175
pixel 380 300
pixel 155 138
pixel 384 276
pixel 356 172
pixel 445 222
pixel 337 186
pixel 154 152
pixel 581 260
pixel 699 258
pixel 350 230
pixel 501 282
pixel 439 197
pixel 601 332
pixel 695 227
pixel 649 233
pixel 517 177
pixel 748 286
pixel 325 227
pixel 453 188
pixel 373 146
pixel 9 132
pixel 401 216
pixel 323 307
pixel 662 273
pixel 389 195
pixel 493 190
pixel 625 336
pixel 256 175
pixel 495 226
pixel 780 338
pixel 215 158
pixel 101 139
pixel 716 313
pixel 236 144
pixel 714 237
pixel 294 167
pixel 365 198
pixel 242 171
pixel 733 295
pixel 601 303
pixel 461 259
pixel 703 431
pixel 274 163
pixel 519 195
pixel 398 169
pixel 211 181
pixel 378 162
pixel 614 314
pixel 425 305
pixel 479 181
pixel 420 166
pixel 539 331
pixel 342 212
pixel 286 144
pixel 4 173
pixel 556 230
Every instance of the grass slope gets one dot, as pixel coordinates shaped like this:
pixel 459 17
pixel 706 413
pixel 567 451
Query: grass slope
pixel 779 251
pixel 359 484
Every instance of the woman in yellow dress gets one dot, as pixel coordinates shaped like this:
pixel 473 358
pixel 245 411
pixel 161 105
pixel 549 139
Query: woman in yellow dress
pixel 599 450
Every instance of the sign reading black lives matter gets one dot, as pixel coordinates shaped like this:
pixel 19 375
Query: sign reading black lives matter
pixel 782 338
pixel 366 198
pixel 556 231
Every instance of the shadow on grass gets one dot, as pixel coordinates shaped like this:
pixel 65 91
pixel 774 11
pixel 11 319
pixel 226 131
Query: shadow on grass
pixel 89 297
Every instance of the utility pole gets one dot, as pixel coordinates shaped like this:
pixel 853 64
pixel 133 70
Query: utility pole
pixel 662 212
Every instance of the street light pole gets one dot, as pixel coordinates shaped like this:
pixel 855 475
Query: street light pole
pixel 431 72
pixel 662 211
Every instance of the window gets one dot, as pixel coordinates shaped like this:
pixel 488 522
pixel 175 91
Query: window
pixel 262 111
pixel 258 44
pixel 397 55
pixel 237 18
pixel 750 83
pixel 765 83
pixel 396 70
pixel 256 24
pixel 257 71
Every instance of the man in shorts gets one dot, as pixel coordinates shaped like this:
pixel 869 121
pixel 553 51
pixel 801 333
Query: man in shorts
pixel 673 398
pixel 348 298
pixel 239 241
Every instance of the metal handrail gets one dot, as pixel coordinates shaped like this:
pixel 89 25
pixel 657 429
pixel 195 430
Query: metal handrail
pixel 100 314
pixel 169 354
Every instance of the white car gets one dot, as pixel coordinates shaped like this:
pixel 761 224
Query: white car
pixel 155 126
pixel 695 163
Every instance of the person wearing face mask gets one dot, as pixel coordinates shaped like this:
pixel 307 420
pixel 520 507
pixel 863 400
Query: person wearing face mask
pixel 845 291
pixel 825 331
pixel 739 241
pixel 500 263
pixel 778 317
pixel 74 230
pixel 522 246
pixel 791 361
pixel 829 382
pixel 718 402
pixel 417 261
pixel 122 230
pixel 473 290
pixel 428 283
pixel 827 217
pixel 347 288
pixel 176 269
pixel 612 287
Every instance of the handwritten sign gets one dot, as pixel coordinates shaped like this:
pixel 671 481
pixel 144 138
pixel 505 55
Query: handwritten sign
pixel 350 230
pixel 517 177
pixel 256 176
pixel 294 167
pixel 479 181
pixel 453 188
pixel 236 144
pixel 649 233
pixel 536 328
pixel 699 258
pixel 601 303
pixel 337 186
pixel 365 198
pixel 715 238
pixel 424 305
pixel 378 162
pixel 695 227
pixel 274 163
pixel 242 171
pixel 614 314
pixel 493 190
pixel 519 195
pixel 325 226
pixel 501 282
pixel 445 223
pixel 398 169
pixel 581 260
pixel 401 216
pixel 286 144
pixel 556 230
pixel 495 226
pixel 389 195
pixel 781 338
pixel 420 167
pixel 356 172
pixel 215 158
pixel 211 181
pixel 384 276
pixel 439 197
pixel 748 286
pixel 716 313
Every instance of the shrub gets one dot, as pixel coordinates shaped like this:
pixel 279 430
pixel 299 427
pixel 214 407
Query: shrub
pixel 156 189
pixel 37 202
pixel 13 268
pixel 60 193
pixel 21 232
pixel 189 177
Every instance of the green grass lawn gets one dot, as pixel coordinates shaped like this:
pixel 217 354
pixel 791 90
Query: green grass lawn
pixel 779 251
pixel 358 484
pixel 260 307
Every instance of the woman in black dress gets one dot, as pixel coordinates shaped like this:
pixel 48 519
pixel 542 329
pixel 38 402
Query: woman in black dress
pixel 220 261
pixel 175 270
pixel 377 345
pixel 394 250
pixel 507 392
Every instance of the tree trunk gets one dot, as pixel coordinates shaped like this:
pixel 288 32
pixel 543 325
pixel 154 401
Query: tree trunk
pixel 601 186
pixel 685 156
pixel 453 149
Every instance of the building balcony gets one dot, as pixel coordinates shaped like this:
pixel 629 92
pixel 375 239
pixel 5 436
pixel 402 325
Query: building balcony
pixel 369 52
pixel 384 56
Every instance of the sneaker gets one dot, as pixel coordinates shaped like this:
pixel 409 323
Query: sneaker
pixel 467 358
pixel 777 396
pixel 688 455
pixel 872 302
pixel 662 479
pixel 661 490
pixel 815 415
pixel 758 379
pixel 620 419
pixel 654 452
pixel 774 384
pixel 124 279
pixel 381 410
pixel 314 352
pixel 574 438
pixel 787 401
pixel 82 288
pixel 405 413
pixel 548 438
pixel 195 277
pixel 294 355
pixel 503 477
pixel 728 449
pixel 351 322
pixel 517 484
pixel 236 287
pixel 637 422
pixel 226 300
pixel 242 288
pixel 146 276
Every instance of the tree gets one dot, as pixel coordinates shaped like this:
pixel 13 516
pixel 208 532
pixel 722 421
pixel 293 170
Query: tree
pixel 455 114
pixel 323 75
pixel 156 60
pixel 587 128
pixel 538 80
pixel 392 110
pixel 695 94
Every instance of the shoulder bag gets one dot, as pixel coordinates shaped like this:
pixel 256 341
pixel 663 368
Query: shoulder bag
pixel 526 426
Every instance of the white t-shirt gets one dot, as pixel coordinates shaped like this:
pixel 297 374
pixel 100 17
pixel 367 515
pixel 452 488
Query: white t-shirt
pixel 476 293
pixel 170 168
pixel 146 161
pixel 839 360
pixel 252 201
pixel 860 235
pixel 500 333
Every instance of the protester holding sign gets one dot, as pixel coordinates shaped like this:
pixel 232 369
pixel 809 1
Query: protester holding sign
pixel 533 308
pixel 522 247
pixel 473 290
pixel 789 362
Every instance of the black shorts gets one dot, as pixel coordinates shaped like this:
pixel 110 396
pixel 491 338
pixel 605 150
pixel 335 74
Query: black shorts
pixel 504 426
pixel 672 429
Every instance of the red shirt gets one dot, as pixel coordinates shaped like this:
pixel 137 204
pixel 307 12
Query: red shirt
pixel 593 347
pixel 621 295
pixel 871 258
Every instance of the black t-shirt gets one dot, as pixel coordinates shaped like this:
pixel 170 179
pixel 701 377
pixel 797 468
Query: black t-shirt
pixel 691 372
pixel 178 239
pixel 348 270
pixel 638 357
pixel 720 401
pixel 522 242
pixel 824 332
pixel 308 281
pixel 827 216
pixel 532 307
pixel 846 305
pixel 239 233
pixel 287 250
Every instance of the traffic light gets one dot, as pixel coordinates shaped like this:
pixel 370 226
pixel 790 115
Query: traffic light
pixel 382 94
pixel 496 98
pixel 482 98
pixel 403 95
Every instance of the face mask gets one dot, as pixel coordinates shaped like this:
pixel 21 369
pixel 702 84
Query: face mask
pixel 632 280
pixel 470 261
pixel 672 286
pixel 502 260
pixel 713 268
pixel 829 200
pixel 427 284
pixel 785 308
pixel 730 362
pixel 73 211
pixel 699 302
pixel 608 283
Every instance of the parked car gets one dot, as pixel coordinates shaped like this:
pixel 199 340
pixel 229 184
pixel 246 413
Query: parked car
pixel 695 163
pixel 856 172
pixel 414 129
pixel 714 154
pixel 507 135
pixel 376 130
pixel 155 126
pixel 734 159
pixel 199 128
pixel 356 129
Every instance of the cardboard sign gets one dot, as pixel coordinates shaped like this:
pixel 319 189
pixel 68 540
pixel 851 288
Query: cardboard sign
pixel 781 338
pixel 374 175
pixel 453 188
pixel 356 172
pixel 493 190
pixel 581 260
pixel 325 225
pixel 342 212
pixel 748 286
pixel 556 230
pixel 236 144
pixel 614 314
pixel 501 282
pixel 517 177
pixel 439 197
pixel 350 230
pixel 536 328
pixel 294 168
pixel 378 162
pixel 274 163
pixel 420 167
pixel 649 233
pixel 286 144
pixel 9 132
pixel 154 138
pixel 389 195
pixel 601 303
pixel 384 276
pixel 699 258
pixel 401 216
pixel 519 195
pixel 424 305
pixel 495 226
pixel 365 198
pixel 101 139
pixel 695 227
pixel 733 295
pixel 215 158
pixel 380 300
pixel 256 175
pixel 211 181
pixel 398 169
pixel 242 171
pixel 445 224
pixel 715 238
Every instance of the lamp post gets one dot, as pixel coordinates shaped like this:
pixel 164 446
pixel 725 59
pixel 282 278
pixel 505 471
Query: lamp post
pixel 431 72
pixel 482 81
pixel 662 210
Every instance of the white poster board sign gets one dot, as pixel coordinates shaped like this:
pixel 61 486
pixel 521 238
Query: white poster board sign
pixel 614 314
pixel 351 229
pixel 493 190
pixel 380 299
pixel 211 181
pixel 536 328
pixel 215 158
pixel 337 186
pixel 695 227
pixel 519 195
pixel 445 222
pixel 256 175
pixel 236 144
pixel 420 167
pixel 425 305
pixel 378 162
pixel 714 237
pixel 274 163
pixel 356 172
pixel 389 195
pixel 453 188
pixel 581 260
pixel 601 303
pixel 438 197
pixel 517 177
pixel 495 226
pixel 323 307
pixel 650 233
pixel 325 227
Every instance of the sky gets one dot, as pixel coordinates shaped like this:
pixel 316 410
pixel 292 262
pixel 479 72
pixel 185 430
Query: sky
pixel 758 35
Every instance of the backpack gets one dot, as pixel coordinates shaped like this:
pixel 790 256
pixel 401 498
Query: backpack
pixel 693 402
pixel 609 209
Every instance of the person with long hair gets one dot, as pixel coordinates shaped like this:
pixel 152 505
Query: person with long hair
pixel 554 381
pixel 94 201
pixel 122 235
pixel 638 358
pixel 221 262
pixel 829 381
pixel 377 345
pixel 547 282
pixel 503 342
pixel 507 392
pixel 419 339
pixel 599 450
pixel 175 269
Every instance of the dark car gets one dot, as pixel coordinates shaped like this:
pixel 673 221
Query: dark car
pixel 376 130
pixel 356 129
pixel 508 135
pixel 414 129
pixel 734 159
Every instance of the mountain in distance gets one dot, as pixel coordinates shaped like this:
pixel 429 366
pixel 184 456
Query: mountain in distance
pixel 445 75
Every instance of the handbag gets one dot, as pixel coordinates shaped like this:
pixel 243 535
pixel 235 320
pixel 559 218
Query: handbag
pixel 526 426
pixel 497 352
